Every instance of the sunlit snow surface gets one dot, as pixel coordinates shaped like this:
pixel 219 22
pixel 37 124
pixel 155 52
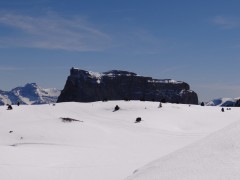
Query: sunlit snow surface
pixel 107 145
pixel 216 157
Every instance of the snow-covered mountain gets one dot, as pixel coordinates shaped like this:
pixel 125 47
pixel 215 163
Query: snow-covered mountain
pixel 31 93
pixel 223 102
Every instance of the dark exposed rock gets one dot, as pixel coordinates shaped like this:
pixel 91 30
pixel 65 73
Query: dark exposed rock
pixel 237 104
pixel 69 119
pixel 116 108
pixel 138 120
pixel 87 86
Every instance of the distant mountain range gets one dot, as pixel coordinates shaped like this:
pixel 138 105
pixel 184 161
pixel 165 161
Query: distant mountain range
pixel 224 102
pixel 31 93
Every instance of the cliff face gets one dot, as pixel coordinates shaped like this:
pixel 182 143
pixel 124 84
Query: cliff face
pixel 87 86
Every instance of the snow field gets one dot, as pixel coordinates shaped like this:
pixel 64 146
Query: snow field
pixel 106 145
pixel 215 157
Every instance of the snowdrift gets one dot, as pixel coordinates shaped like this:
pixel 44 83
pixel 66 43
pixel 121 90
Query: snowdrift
pixel 216 157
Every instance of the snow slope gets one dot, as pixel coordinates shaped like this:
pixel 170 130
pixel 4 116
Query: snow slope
pixel 216 157
pixel 106 145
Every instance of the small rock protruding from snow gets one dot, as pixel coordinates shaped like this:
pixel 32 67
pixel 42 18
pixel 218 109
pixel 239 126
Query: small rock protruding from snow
pixel 138 119
pixel 116 108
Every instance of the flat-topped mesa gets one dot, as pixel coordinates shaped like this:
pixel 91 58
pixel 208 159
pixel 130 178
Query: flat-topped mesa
pixel 87 86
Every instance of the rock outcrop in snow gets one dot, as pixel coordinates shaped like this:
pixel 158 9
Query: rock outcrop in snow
pixel 31 93
pixel 87 86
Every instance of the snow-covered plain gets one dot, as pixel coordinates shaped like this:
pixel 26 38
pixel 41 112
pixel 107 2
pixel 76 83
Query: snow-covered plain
pixel 106 145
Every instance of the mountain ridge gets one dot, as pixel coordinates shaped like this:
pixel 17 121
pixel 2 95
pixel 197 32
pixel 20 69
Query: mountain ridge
pixel 29 94
pixel 224 102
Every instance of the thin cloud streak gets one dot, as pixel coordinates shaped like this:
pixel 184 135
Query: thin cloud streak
pixel 217 86
pixel 53 32
pixel 8 68
pixel 140 42
pixel 216 90
pixel 226 22
pixel 175 68
pixel 33 68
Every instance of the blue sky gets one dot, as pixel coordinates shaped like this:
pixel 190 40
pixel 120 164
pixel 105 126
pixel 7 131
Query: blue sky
pixel 193 41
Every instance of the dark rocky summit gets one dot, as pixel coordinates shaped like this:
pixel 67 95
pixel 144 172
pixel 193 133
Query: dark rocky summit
pixel 87 86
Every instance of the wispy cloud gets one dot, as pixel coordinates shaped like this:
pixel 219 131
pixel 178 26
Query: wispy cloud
pixel 175 68
pixel 140 41
pixel 53 32
pixel 209 91
pixel 220 86
pixel 8 68
pixel 226 22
